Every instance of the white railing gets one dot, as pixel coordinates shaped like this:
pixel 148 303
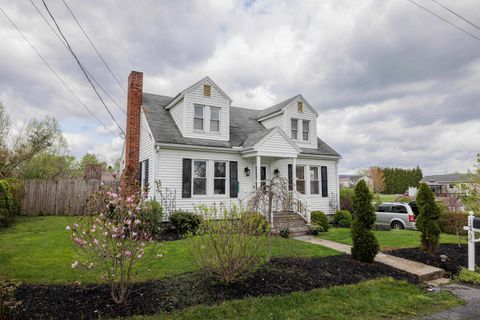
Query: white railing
pixel 299 203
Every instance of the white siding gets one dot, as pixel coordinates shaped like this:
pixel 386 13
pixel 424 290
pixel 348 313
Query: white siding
pixel 177 112
pixel 307 114
pixel 276 145
pixel 216 99
pixel 169 172
pixel 147 149
pixel 277 121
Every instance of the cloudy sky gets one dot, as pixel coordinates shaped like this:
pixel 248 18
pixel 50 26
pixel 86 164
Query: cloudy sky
pixel 394 85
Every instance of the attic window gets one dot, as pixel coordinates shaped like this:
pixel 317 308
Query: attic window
pixel 207 90
pixel 300 106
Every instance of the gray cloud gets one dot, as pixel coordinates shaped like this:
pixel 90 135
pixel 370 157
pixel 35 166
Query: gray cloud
pixel 393 85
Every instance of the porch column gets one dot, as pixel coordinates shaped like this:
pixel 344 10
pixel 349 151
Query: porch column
pixel 294 174
pixel 259 173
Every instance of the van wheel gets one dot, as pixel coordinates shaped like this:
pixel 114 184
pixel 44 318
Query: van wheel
pixel 397 225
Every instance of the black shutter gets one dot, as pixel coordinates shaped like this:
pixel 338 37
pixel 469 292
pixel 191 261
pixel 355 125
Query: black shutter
pixel 140 173
pixel 233 179
pixel 290 177
pixel 187 178
pixel 145 181
pixel 324 181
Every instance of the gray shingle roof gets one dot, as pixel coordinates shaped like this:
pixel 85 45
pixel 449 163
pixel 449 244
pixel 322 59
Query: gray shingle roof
pixel 275 108
pixel 245 130
pixel 453 177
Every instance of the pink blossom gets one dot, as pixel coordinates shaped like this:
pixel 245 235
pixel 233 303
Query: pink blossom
pixel 128 253
pixel 95 241
pixel 67 228
pixel 79 241
pixel 137 221
pixel 75 264
pixel 129 200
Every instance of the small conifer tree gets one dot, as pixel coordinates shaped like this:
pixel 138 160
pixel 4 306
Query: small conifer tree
pixel 365 245
pixel 427 220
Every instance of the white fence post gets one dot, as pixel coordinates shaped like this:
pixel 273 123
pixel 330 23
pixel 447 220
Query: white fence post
pixel 471 240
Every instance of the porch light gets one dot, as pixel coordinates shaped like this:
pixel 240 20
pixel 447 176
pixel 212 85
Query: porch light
pixel 247 171
pixel 276 172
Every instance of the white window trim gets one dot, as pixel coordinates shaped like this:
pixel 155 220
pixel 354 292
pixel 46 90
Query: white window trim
pixel 318 181
pixel 210 177
pixel 195 117
pixel 304 178
pixel 226 177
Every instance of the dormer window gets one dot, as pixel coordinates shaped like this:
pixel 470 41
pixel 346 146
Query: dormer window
pixel 305 129
pixel 214 119
pixel 207 90
pixel 198 117
pixel 294 128
pixel 300 106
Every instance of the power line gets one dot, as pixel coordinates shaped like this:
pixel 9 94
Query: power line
pixel 63 43
pixel 81 67
pixel 445 20
pixel 94 47
pixel 55 73
pixel 457 14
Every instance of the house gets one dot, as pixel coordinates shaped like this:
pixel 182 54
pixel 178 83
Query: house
pixel 203 150
pixel 351 180
pixel 444 184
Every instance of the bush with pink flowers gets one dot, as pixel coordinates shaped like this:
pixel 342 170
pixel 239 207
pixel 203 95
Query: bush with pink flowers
pixel 113 241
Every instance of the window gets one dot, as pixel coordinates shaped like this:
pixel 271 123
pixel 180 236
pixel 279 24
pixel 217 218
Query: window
pixel 314 182
pixel 200 177
pixel 305 129
pixel 220 177
pixel 399 209
pixel 214 119
pixel 294 129
pixel 198 118
pixel 300 106
pixel 383 208
pixel 301 179
pixel 207 90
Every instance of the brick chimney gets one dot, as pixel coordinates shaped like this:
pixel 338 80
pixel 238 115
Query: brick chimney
pixel 132 139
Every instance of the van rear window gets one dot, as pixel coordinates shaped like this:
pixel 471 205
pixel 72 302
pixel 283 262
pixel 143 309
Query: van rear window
pixel 399 209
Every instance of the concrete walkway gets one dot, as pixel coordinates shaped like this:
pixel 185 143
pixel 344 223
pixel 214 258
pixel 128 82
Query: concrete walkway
pixel 422 271
pixel 470 310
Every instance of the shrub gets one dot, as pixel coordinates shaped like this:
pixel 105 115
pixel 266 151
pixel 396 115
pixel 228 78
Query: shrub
pixel 284 232
pixel 6 204
pixel 453 222
pixel 17 187
pixel 346 198
pixel 343 218
pixel 427 219
pixel 319 218
pixel 185 222
pixel 112 245
pixel 315 230
pixel 151 215
pixel 365 245
pixel 232 247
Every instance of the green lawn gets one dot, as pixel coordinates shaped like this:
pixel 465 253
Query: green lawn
pixel 39 250
pixel 387 239
pixel 388 197
pixel 374 299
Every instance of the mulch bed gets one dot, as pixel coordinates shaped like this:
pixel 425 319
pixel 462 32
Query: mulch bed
pixel 280 276
pixel 456 257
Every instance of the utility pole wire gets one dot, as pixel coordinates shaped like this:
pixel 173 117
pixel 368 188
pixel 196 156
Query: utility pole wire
pixel 445 20
pixel 63 43
pixel 56 74
pixel 81 67
pixel 458 15
pixel 94 47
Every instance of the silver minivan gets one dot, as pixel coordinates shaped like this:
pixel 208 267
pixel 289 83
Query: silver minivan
pixel 397 215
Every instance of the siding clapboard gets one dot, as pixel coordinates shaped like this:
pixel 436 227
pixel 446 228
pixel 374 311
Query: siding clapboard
pixel 147 149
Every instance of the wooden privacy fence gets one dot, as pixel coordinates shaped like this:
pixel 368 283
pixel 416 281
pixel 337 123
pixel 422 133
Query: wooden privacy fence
pixel 57 197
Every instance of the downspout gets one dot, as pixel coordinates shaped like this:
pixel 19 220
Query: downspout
pixel 156 148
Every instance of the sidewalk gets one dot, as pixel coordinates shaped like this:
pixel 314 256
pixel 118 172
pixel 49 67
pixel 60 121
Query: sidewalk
pixel 422 271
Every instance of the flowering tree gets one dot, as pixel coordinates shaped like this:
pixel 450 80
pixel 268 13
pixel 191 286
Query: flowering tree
pixel 114 241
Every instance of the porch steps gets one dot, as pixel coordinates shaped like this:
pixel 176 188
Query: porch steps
pixel 291 220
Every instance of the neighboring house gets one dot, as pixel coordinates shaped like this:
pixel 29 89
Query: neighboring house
pixel 207 151
pixel 445 184
pixel 351 180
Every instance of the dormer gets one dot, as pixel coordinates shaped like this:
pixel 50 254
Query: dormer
pixel 202 111
pixel 296 117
